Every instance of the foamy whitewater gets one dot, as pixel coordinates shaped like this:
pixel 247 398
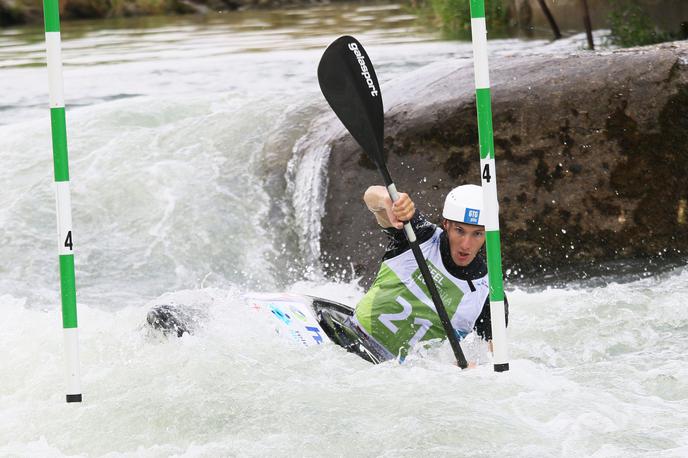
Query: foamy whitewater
pixel 180 196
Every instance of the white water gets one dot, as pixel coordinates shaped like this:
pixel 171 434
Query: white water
pixel 176 187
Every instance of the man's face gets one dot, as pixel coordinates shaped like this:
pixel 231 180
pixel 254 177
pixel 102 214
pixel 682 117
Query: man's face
pixel 465 241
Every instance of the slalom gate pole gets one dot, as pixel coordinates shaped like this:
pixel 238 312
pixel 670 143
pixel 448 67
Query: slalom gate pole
pixel 488 175
pixel 51 11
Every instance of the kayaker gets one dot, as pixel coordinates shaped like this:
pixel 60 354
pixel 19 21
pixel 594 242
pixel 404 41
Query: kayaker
pixel 397 311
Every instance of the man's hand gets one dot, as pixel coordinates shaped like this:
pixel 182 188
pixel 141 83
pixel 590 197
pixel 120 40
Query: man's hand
pixel 387 213
pixel 402 210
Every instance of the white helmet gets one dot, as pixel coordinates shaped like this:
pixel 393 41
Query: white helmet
pixel 465 205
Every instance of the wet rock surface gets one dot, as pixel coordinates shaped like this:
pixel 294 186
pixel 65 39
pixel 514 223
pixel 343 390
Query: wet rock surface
pixel 592 158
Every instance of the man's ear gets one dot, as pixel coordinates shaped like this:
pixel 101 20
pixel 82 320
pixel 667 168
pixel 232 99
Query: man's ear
pixel 445 224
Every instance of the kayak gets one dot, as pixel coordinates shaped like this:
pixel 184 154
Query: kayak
pixel 308 320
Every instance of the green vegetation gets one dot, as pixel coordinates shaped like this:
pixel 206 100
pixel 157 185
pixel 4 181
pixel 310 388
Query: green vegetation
pixel 631 26
pixel 454 17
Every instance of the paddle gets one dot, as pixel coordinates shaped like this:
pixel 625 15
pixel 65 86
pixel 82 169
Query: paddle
pixel 348 82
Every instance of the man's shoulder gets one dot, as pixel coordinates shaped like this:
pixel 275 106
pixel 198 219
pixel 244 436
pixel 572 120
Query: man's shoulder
pixel 398 244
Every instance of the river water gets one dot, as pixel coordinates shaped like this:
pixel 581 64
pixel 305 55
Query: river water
pixel 181 133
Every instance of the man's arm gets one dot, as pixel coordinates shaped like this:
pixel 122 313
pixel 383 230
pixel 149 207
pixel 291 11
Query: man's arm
pixel 391 217
pixel 388 213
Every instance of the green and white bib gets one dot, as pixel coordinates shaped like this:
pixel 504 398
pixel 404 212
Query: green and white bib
pixel 397 311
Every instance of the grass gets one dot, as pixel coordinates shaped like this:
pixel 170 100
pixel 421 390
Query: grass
pixel 631 26
pixel 453 17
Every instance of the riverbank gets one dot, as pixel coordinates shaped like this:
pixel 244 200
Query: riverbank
pixel 18 12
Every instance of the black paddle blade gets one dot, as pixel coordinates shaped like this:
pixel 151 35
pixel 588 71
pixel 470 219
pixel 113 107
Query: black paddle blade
pixel 348 82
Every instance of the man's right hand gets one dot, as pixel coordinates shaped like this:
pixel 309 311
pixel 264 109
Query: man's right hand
pixel 389 214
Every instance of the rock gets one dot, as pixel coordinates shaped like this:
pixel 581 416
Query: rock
pixel 592 158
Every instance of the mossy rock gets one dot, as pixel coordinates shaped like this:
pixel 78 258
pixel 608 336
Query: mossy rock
pixel 591 148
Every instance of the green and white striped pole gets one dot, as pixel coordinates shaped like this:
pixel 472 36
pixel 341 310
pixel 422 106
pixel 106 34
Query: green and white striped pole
pixel 489 184
pixel 51 10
